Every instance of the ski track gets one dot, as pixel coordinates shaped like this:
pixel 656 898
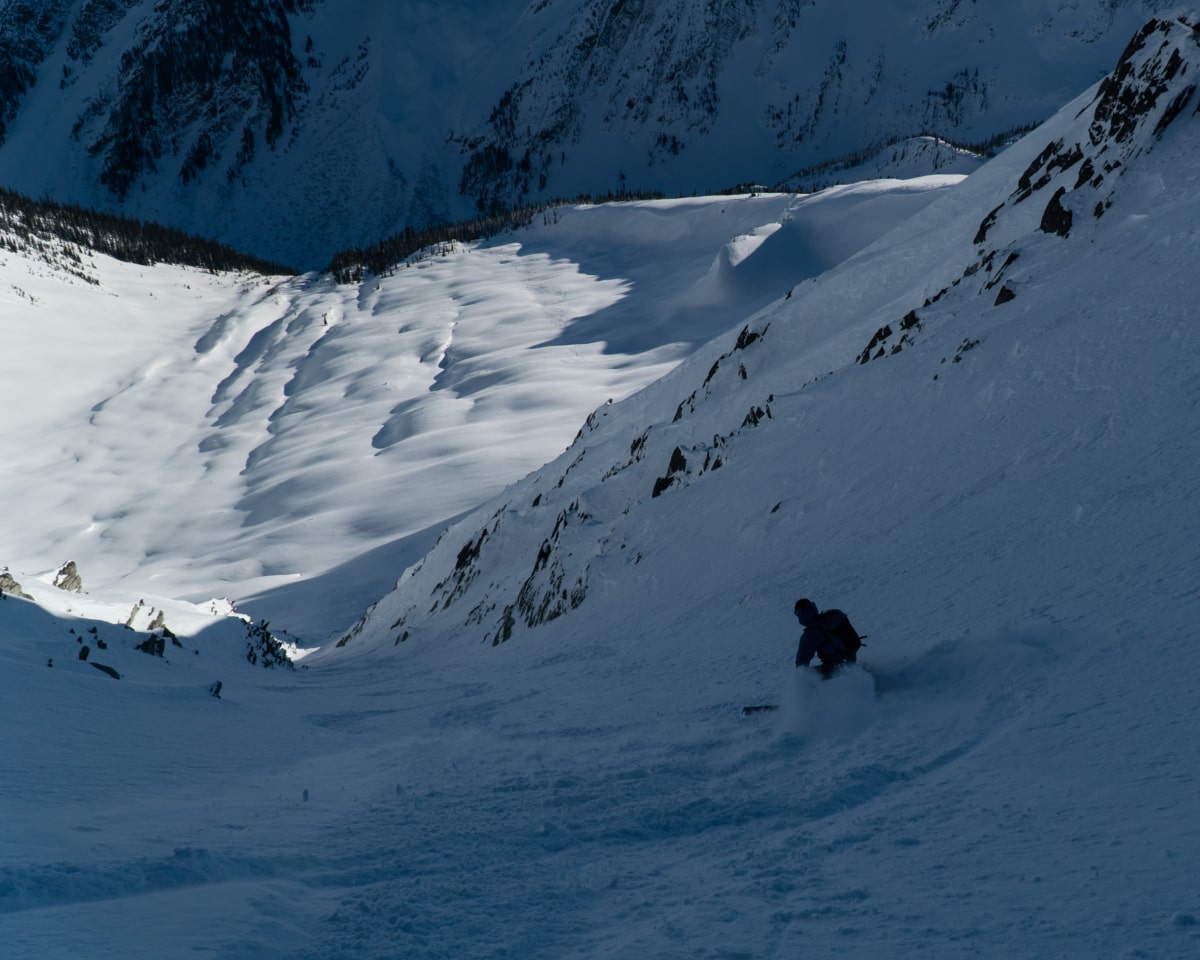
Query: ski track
pixel 466 818
pixel 1011 771
pixel 486 792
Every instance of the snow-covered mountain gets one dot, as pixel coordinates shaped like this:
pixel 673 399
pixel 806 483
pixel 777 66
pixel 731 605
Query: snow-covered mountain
pixel 297 127
pixel 974 431
pixel 259 436
pixel 1021 252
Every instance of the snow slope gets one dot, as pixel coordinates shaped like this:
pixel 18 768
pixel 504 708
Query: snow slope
pixel 295 128
pixel 998 496
pixel 912 157
pixel 194 434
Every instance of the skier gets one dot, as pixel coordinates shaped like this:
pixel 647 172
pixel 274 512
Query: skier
pixel 828 635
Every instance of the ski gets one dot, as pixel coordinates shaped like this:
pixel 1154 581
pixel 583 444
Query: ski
pixel 759 708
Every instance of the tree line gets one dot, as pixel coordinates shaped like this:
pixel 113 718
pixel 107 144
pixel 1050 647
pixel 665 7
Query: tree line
pixel 121 237
pixel 984 148
pixel 353 264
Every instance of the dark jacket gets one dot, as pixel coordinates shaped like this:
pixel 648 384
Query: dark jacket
pixel 818 637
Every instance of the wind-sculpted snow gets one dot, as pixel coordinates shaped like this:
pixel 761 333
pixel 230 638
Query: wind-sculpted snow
pixel 947 282
pixel 592 509
pixel 259 436
pixel 1001 505
pixel 997 505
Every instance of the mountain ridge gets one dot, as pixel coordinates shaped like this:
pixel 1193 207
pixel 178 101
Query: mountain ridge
pixel 293 129
pixel 1087 166
pixel 247 434
pixel 962 410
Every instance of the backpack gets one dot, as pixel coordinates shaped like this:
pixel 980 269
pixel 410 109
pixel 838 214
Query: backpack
pixel 838 629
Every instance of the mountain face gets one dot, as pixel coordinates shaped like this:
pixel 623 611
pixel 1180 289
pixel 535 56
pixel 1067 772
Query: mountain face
pixel 963 411
pixel 297 127
pixel 269 433
pixel 1081 201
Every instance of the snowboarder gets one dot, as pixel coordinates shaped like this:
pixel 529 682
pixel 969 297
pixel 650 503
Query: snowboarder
pixel 828 635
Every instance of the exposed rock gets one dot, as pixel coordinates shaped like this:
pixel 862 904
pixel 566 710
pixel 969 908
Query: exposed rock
pixel 747 337
pixel 262 647
pixel 966 345
pixel 543 596
pixel 1174 109
pixel 153 645
pixel 133 613
pixel 880 335
pixel 986 224
pixel 1134 107
pixel 68 578
pixel 505 630
pixel 10 586
pixel 755 416
pixel 470 552
pixel 1134 88
pixel 677 464
pixel 1057 218
pixel 712 372
pixel 678 461
pixel 157 622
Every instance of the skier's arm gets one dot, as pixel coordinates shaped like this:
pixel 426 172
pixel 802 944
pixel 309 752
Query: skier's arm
pixel 806 650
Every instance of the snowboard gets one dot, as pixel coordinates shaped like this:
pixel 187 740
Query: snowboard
pixel 759 708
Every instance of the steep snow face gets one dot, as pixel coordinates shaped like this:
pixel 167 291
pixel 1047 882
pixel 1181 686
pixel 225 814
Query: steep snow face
pixel 197 81
pixel 778 409
pixel 296 127
pixel 243 435
pixel 998 496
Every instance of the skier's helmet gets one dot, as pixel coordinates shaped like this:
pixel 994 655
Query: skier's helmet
pixel 806 611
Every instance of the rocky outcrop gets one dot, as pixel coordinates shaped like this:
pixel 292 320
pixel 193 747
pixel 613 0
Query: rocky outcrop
pixel 68 578
pixel 581 519
pixel 1135 105
pixel 176 111
pixel 1074 179
pixel 264 649
pixel 154 645
pixel 10 587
